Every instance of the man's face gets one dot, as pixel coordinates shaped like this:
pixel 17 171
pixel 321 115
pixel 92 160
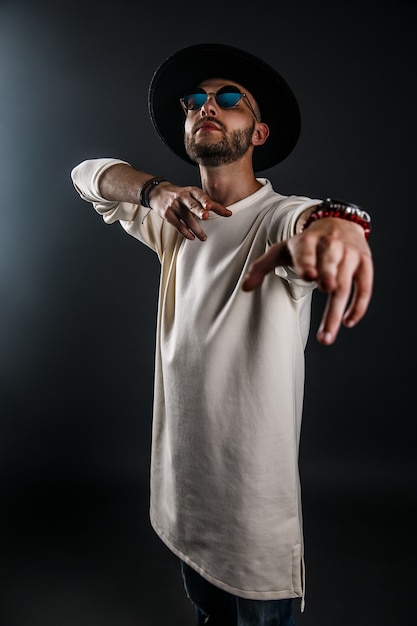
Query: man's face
pixel 215 136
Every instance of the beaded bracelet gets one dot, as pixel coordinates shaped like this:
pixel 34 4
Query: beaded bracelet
pixel 337 208
pixel 147 188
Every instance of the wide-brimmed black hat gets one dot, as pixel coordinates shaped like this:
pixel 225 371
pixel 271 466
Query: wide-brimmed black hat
pixel 190 66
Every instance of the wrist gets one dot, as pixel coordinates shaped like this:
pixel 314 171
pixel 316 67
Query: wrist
pixel 147 188
pixel 341 210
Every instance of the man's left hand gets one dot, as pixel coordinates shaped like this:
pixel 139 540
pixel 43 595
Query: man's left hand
pixel 334 253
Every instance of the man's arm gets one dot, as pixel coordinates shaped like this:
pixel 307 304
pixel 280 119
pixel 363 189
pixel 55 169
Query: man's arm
pixel 333 252
pixel 177 205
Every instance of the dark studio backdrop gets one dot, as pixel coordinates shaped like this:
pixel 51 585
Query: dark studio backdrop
pixel 78 305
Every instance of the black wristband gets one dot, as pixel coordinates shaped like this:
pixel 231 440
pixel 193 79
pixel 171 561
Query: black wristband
pixel 147 188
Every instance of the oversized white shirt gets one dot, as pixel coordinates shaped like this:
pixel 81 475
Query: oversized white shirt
pixel 228 396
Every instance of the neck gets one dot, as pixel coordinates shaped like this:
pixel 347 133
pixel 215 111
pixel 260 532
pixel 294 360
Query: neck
pixel 229 183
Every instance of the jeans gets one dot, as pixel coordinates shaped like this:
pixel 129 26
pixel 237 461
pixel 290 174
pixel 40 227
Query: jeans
pixel 215 607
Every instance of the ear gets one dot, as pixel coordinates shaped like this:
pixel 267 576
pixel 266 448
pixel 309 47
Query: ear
pixel 260 134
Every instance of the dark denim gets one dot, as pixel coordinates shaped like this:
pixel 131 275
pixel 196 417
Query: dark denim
pixel 215 607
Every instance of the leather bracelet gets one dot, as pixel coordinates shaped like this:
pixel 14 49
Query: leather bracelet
pixel 147 188
pixel 343 210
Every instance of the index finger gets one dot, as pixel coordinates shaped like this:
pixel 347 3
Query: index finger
pixel 205 204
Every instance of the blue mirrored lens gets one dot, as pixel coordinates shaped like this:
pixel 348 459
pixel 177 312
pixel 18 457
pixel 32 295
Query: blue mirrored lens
pixel 195 101
pixel 227 100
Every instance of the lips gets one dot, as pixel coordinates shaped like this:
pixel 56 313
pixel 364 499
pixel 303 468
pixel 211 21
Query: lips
pixel 207 126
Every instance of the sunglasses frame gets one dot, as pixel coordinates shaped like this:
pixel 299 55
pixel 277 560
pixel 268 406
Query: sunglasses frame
pixel 222 90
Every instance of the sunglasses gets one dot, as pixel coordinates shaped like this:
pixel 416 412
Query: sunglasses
pixel 227 98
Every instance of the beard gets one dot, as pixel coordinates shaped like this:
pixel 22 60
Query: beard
pixel 229 149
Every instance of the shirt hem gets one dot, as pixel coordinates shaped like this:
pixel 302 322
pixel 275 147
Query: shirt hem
pixel 241 593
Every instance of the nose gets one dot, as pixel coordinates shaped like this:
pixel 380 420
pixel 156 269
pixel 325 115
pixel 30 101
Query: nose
pixel 209 107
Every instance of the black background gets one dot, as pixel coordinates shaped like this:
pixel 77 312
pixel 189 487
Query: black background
pixel 78 304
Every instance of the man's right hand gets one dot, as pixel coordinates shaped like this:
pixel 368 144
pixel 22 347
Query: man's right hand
pixel 180 205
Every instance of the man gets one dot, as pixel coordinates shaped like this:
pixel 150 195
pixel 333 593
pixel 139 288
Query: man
pixel 239 263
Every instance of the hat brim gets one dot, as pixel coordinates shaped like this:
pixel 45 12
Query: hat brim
pixel 190 66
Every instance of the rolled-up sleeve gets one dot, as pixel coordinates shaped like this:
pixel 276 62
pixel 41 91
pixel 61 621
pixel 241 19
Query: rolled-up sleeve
pixel 136 220
pixel 86 177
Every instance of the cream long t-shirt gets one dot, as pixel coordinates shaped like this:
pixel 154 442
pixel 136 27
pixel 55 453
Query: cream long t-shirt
pixel 228 397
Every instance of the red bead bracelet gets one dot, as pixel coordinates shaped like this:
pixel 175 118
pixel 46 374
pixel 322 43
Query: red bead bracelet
pixel 336 208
